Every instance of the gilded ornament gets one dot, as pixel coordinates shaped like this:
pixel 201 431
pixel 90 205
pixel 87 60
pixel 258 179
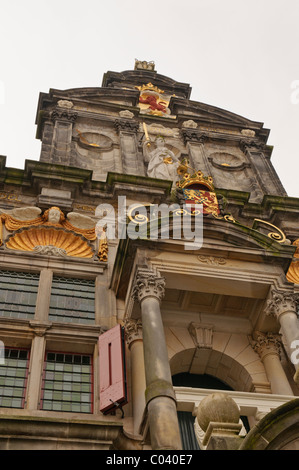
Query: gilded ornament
pixel 293 271
pixel 51 232
pixel 29 238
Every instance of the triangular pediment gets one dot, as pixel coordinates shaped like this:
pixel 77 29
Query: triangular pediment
pixel 211 114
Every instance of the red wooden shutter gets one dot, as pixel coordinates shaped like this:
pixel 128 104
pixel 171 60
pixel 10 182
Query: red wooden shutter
pixel 112 374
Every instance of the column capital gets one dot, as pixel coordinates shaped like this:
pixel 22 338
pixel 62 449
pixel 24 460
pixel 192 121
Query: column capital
pixel 247 144
pixel 280 302
pixel 148 284
pixel 63 115
pixel 127 125
pixel 267 343
pixel 193 135
pixel 133 330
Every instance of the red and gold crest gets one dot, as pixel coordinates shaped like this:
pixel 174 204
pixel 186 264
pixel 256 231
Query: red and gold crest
pixel 199 189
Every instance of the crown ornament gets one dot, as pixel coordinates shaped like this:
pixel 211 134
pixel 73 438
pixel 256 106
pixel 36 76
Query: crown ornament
pixel 190 179
pixel 149 87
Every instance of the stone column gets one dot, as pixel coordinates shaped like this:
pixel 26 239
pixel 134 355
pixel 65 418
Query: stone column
pixel 37 356
pixel 160 397
pixel 268 348
pixel 283 306
pixel 127 129
pixel 133 329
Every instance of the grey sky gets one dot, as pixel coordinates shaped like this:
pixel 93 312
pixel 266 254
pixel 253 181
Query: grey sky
pixel 236 54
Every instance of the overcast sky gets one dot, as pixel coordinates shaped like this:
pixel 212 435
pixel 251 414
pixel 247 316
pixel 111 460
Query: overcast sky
pixel 240 55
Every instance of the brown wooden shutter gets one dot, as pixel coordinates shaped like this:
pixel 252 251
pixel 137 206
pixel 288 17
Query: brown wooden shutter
pixel 112 374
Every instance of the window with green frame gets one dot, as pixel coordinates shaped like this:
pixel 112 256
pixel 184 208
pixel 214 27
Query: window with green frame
pixel 67 382
pixel 18 292
pixel 13 378
pixel 72 300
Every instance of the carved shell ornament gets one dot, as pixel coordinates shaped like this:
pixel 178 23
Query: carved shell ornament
pixel 52 233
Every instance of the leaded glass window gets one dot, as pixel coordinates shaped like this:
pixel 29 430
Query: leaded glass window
pixel 18 292
pixel 72 300
pixel 13 378
pixel 67 383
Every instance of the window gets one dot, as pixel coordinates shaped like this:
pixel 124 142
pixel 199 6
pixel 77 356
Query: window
pixel 18 292
pixel 72 300
pixel 67 383
pixel 13 378
pixel 186 425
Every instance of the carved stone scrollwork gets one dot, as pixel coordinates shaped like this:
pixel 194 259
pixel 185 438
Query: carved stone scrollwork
pixel 148 284
pixel 65 104
pixel 64 116
pixel 125 113
pixel 190 124
pixel 213 260
pixel 49 250
pixel 133 330
pixel 127 125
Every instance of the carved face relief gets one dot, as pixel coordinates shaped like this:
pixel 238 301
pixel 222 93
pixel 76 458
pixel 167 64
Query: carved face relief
pixel 54 216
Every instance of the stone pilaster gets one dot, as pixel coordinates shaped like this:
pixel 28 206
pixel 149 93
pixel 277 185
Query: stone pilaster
pixel 63 120
pixel 44 295
pixel 261 165
pixel 194 141
pixel 127 130
pixel 37 357
pixel 134 339
pixel 268 347
pixel 148 290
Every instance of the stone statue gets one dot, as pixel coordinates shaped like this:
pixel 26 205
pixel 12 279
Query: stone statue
pixel 163 163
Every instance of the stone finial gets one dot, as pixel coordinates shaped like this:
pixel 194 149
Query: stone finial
pixel 148 284
pixel 144 65
pixel 218 416
pixel 218 408
pixel 190 123
pixel 248 132
pixel 125 113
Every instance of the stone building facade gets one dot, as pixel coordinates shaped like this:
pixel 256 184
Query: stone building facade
pixel 116 341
